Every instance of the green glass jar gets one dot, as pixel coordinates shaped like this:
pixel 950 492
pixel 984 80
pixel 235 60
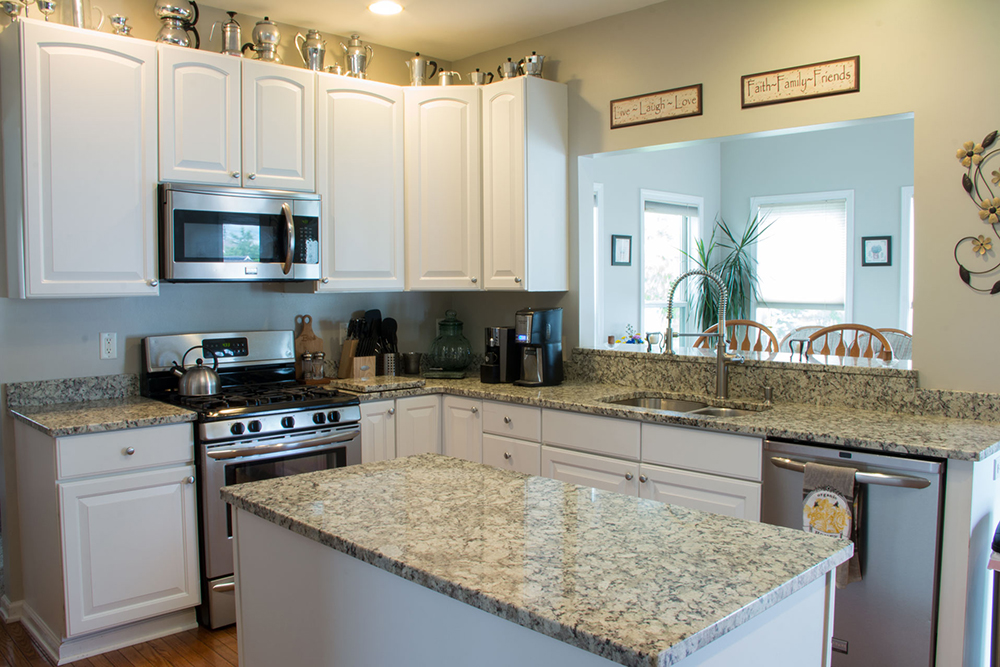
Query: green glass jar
pixel 450 351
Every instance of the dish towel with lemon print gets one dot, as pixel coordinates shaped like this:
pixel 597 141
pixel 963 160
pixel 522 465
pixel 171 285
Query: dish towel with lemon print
pixel 831 505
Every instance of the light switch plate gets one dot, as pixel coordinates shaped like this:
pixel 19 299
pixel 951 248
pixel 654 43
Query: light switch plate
pixel 109 346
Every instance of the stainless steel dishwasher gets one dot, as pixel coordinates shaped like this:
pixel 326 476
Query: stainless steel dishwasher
pixel 890 617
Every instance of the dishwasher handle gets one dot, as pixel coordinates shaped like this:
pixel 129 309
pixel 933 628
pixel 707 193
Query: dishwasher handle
pixel 861 477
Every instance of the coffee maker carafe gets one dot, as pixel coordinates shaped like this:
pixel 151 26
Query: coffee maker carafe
pixel 538 334
pixel 503 363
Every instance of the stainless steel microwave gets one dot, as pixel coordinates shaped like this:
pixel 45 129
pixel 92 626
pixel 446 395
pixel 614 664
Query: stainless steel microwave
pixel 232 234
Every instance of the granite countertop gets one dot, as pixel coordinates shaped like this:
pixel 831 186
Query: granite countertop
pixel 551 556
pixel 61 419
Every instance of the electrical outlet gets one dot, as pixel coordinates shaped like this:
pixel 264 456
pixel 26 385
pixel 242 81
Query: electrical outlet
pixel 109 346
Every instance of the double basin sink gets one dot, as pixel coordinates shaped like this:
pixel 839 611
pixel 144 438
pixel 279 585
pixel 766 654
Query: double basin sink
pixel 679 405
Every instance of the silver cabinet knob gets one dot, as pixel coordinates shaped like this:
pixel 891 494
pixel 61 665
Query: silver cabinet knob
pixel 153 283
pixel 129 451
pixel 643 478
pixel 325 280
pixel 475 279
pixel 234 174
pixel 506 455
pixel 392 411
pixel 251 176
pixel 517 279
pixel 628 476
pixel 473 409
pixel 189 480
pixel 506 420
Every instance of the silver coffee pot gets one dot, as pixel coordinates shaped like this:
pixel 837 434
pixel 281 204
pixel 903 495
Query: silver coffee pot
pixel 312 49
pixel 448 78
pixel 231 40
pixel 265 41
pixel 178 21
pixel 418 69
pixel 12 8
pixel 531 65
pixel 359 56
pixel 479 78
pixel 509 69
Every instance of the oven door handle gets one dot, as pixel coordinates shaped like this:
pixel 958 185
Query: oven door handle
pixel 270 448
pixel 861 477
pixel 286 210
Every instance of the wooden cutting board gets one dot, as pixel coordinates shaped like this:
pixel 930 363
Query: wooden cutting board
pixel 306 341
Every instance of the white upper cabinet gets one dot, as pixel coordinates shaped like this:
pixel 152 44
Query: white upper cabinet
pixel 279 107
pixel 79 119
pixel 525 179
pixel 200 120
pixel 359 173
pixel 443 185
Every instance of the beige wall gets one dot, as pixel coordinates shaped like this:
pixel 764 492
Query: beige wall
pixel 935 59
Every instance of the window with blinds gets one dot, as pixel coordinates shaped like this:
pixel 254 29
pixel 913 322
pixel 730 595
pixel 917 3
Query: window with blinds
pixel 802 260
pixel 669 223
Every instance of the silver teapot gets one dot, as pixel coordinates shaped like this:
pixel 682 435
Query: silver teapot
pixel 479 78
pixel 312 49
pixel 266 38
pixel 531 65
pixel 231 40
pixel 509 69
pixel 418 69
pixel 359 56
pixel 178 21
pixel 448 78
pixel 198 380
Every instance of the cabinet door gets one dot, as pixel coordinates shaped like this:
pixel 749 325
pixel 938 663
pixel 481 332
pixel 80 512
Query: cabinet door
pixel 463 428
pixel 129 547
pixel 359 173
pixel 418 425
pixel 89 162
pixel 443 211
pixel 511 454
pixel 504 252
pixel 709 493
pixel 378 431
pixel 599 472
pixel 279 107
pixel 200 131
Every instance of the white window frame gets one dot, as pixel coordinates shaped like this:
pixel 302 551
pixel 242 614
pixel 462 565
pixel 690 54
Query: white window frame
pixel 848 196
pixel 599 253
pixel 907 212
pixel 693 233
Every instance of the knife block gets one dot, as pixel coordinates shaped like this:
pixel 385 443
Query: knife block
pixel 363 368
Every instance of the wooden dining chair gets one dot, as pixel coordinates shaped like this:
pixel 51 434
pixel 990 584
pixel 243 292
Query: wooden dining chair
pixel 852 340
pixel 901 341
pixel 760 340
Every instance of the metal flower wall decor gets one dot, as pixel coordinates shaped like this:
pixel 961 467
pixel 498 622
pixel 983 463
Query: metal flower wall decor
pixel 977 251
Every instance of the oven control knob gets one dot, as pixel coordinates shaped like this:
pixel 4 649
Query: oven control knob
pixel 319 418
pixel 334 416
pixel 237 428
pixel 288 422
pixel 255 426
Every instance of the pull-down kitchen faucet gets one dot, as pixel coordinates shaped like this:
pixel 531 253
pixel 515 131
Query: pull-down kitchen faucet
pixel 723 359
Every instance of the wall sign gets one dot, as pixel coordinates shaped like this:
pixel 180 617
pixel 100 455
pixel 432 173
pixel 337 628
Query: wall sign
pixel 834 77
pixel 654 107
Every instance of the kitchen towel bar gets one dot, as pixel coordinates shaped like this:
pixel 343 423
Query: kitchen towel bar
pixel 879 478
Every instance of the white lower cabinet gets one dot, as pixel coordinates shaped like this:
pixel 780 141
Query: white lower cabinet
pixel 600 472
pixel 400 427
pixel 709 493
pixel 512 454
pixel 462 428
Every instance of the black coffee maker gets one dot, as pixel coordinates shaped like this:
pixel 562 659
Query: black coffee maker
pixel 539 336
pixel 503 363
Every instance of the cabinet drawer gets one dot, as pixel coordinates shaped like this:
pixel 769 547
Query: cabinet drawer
pixel 510 454
pixel 601 435
pixel 599 472
pixel 107 452
pixel 703 451
pixel 708 493
pixel 514 421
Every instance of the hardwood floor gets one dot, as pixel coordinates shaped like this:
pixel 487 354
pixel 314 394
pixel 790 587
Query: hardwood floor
pixel 194 648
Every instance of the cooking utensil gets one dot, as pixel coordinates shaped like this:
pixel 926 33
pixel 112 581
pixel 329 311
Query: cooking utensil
pixel 266 38
pixel 389 329
pixel 231 39
pixel 359 56
pixel 479 78
pixel 312 50
pixel 508 70
pixel 47 8
pixel 418 69
pixel 306 341
pixel 531 65
pixel 12 8
pixel 199 380
pixel 178 21
pixel 449 78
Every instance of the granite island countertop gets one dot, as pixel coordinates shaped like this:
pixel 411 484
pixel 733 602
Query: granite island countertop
pixel 551 556
pixel 114 414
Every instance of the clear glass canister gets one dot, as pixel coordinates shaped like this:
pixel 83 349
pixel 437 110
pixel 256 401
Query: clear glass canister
pixel 318 366
pixel 450 351
pixel 307 366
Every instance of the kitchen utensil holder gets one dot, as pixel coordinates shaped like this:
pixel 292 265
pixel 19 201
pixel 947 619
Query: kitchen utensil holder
pixel 389 363
pixel 411 362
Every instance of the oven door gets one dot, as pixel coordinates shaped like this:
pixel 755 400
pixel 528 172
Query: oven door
pixel 238 235
pixel 235 463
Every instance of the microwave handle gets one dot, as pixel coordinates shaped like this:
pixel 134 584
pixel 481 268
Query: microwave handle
pixel 286 210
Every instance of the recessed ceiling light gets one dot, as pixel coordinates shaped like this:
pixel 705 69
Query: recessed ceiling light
pixel 385 7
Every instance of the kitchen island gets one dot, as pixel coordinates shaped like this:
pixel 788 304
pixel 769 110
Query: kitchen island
pixel 431 560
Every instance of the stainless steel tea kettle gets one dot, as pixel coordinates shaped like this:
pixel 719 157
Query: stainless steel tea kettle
pixel 312 49
pixel 359 56
pixel 178 21
pixel 418 69
pixel 265 41
pixel 231 40
pixel 199 380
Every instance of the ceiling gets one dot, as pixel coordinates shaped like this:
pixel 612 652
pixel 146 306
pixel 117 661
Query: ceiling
pixel 446 29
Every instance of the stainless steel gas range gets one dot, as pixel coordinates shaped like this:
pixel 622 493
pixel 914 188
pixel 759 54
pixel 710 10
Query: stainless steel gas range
pixel 262 425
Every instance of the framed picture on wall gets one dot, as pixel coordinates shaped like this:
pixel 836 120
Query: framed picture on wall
pixel 876 251
pixel 621 250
